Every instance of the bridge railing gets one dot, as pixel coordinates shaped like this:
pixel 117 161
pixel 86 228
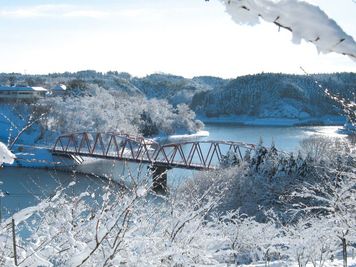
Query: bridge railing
pixel 191 155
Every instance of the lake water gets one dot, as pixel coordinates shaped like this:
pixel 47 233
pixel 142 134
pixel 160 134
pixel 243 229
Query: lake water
pixel 25 187
pixel 285 138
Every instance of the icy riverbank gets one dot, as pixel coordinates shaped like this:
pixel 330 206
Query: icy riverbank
pixel 255 121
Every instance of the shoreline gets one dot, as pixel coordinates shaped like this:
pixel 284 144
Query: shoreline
pixel 274 122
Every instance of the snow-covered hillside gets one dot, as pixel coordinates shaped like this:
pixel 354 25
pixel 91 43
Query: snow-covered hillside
pixel 276 96
pixel 263 95
pixel 176 89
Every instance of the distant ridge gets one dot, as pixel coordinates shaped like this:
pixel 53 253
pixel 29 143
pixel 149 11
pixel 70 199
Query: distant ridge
pixel 262 95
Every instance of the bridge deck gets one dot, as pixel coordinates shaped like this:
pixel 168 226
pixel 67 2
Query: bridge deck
pixel 177 164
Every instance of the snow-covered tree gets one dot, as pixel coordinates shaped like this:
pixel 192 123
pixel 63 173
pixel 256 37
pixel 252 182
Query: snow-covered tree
pixel 309 239
pixel 107 110
pixel 115 226
pixel 315 27
pixel 333 197
pixel 327 149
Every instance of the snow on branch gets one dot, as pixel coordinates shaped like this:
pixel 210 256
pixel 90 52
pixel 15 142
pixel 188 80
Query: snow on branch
pixel 5 155
pixel 305 21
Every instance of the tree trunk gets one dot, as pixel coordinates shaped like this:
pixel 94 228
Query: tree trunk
pixel 14 240
pixel 344 251
pixel 159 178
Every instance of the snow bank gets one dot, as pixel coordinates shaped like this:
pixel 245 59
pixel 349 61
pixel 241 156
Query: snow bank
pixel 183 137
pixel 25 213
pixel 37 157
pixel 305 21
pixel 5 155
pixel 196 135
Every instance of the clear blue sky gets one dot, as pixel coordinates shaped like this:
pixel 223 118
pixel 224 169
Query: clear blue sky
pixel 184 37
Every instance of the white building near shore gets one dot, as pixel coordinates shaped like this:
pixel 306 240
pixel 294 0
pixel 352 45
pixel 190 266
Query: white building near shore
pixel 13 93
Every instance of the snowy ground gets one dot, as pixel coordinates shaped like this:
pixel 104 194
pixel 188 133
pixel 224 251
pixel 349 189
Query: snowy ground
pixel 335 263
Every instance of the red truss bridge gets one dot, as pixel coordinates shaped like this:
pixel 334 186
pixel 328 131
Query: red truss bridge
pixel 199 155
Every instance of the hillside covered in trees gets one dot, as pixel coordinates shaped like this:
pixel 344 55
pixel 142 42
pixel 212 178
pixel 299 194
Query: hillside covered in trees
pixel 264 95
pixel 276 95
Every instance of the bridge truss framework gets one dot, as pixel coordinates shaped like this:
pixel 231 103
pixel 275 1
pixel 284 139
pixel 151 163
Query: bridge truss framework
pixel 194 155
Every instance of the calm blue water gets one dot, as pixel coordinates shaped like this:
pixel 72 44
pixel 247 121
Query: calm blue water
pixel 285 138
pixel 25 187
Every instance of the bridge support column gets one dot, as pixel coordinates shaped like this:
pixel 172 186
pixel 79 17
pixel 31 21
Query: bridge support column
pixel 159 178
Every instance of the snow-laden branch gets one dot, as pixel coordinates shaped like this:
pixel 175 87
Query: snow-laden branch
pixel 305 21
pixel 5 155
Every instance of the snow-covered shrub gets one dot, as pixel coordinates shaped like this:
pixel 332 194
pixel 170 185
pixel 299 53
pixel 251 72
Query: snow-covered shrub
pixel 313 200
pixel 115 227
pixel 333 198
pixel 326 148
pixel 309 240
pixel 267 177
pixel 5 155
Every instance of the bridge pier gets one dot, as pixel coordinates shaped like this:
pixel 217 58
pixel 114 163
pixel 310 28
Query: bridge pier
pixel 159 179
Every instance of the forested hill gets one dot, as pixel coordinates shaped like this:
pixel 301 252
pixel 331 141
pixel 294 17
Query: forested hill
pixel 276 95
pixel 263 95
